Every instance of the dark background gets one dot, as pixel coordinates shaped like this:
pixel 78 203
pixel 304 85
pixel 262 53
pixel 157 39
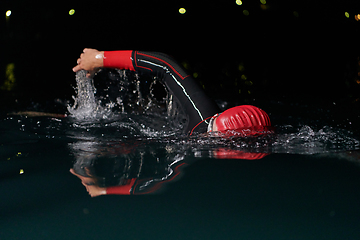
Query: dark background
pixel 308 58
pixel 300 50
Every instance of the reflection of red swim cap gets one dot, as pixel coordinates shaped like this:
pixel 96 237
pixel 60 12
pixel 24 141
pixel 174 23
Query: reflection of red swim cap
pixel 223 153
pixel 245 116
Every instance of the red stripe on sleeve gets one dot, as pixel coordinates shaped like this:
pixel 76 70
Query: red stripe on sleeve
pixel 118 59
pixel 168 64
pixel 121 190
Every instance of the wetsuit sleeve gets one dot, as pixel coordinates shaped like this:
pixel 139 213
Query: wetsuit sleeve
pixel 118 59
pixel 196 105
pixel 122 189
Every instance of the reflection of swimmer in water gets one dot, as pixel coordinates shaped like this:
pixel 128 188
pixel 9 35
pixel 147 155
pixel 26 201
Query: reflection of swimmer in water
pixel 132 186
pixel 126 169
pixel 133 169
pixel 202 113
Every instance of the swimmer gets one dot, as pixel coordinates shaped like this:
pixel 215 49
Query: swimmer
pixel 202 112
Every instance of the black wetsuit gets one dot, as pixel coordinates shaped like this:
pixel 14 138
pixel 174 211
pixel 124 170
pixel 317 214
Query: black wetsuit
pixel 196 105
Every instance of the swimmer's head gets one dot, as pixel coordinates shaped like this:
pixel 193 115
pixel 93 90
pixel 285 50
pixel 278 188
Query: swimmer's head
pixel 240 117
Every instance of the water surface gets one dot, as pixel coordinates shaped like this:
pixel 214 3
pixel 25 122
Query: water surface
pixel 300 182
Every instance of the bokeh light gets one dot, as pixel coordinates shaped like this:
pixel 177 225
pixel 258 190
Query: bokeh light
pixel 246 12
pixel 239 2
pixel 8 13
pixel 10 81
pixel 182 10
pixel 241 67
pixel 72 12
pixel 347 15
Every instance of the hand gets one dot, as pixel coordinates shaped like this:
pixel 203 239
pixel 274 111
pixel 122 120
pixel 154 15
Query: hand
pixel 94 190
pixel 84 180
pixel 90 184
pixel 90 60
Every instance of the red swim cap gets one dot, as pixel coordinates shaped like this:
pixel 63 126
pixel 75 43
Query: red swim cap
pixel 240 117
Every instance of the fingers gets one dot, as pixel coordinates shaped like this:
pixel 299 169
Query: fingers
pixel 83 62
pixel 87 170
pixel 72 171
pixel 77 68
pixel 88 50
pixel 92 73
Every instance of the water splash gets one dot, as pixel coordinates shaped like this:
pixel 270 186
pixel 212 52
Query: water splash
pixel 86 106
pixel 140 115
pixel 127 100
pixel 306 140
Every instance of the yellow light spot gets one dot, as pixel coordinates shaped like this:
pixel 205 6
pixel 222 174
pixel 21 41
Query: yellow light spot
pixel 347 15
pixel 8 13
pixel 263 1
pixel 21 171
pixel 246 12
pixel 239 2
pixel 241 67
pixel 195 75
pixel 357 17
pixel 186 65
pixel 249 83
pixel 182 10
pixel 243 77
pixel 18 154
pixel 9 83
pixel 72 12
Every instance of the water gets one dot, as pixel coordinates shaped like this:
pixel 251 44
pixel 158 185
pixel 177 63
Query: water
pixel 303 183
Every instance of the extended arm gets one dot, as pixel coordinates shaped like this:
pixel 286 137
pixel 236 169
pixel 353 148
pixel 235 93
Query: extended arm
pixel 184 88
